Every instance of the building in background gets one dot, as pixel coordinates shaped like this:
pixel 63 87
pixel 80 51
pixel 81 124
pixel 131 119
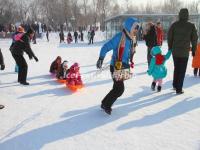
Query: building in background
pixel 114 24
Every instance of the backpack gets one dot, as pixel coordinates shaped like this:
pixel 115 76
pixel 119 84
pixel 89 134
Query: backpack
pixel 159 59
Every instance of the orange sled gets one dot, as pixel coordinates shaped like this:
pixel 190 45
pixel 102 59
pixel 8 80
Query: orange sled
pixel 61 81
pixel 74 88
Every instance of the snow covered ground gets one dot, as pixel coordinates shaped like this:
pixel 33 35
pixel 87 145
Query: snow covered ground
pixel 47 116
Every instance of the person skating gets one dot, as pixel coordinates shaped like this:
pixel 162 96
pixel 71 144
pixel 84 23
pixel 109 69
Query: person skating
pixel 20 46
pixel 196 61
pixel 121 44
pixel 151 39
pixel 180 35
pixel 157 67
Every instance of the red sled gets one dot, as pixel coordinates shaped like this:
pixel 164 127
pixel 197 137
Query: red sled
pixel 74 88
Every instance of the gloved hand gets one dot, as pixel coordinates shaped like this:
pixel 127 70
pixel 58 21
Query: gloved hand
pixel 193 53
pixel 132 65
pixel 2 67
pixel 36 59
pixel 99 63
pixel 149 73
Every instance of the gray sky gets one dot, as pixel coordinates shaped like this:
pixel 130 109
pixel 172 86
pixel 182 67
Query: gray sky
pixel 138 2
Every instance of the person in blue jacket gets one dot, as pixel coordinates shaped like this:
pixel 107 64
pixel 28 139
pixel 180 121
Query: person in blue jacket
pixel 130 28
pixel 157 67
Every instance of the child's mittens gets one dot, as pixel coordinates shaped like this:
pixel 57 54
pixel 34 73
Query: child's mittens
pixel 132 65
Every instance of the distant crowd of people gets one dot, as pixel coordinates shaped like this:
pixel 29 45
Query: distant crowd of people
pixel 77 36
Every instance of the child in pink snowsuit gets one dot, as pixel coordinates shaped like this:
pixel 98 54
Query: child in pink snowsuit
pixel 74 76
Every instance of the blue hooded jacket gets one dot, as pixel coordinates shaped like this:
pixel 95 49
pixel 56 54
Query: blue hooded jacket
pixel 113 44
pixel 158 71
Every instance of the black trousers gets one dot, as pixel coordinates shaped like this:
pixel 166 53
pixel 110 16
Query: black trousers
pixel 76 40
pixel 180 66
pixel 196 71
pixel 149 55
pixel 117 91
pixel 91 40
pixel 34 38
pixel 47 35
pixel 23 67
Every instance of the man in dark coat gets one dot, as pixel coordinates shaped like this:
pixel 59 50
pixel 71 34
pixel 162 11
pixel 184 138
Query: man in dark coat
pixel 82 36
pixel 76 36
pixel 35 28
pixel 62 36
pixel 180 35
pixel 150 38
pixel 2 68
pixel 20 46
pixel 92 34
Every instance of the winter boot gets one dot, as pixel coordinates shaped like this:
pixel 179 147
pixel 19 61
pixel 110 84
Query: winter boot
pixel 195 71
pixel 24 83
pixel 199 72
pixel 107 110
pixel 1 106
pixel 153 85
pixel 159 88
pixel 179 92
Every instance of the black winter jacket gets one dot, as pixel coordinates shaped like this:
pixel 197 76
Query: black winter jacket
pixel 151 37
pixel 19 47
pixel 181 34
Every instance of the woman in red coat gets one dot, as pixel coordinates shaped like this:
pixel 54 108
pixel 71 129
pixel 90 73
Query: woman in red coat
pixel 160 34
